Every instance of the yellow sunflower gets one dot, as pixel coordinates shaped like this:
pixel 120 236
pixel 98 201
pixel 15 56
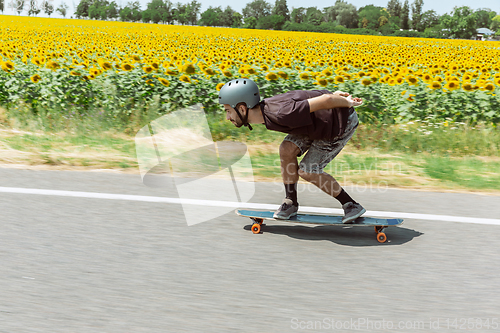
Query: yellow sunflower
pixel 322 81
pixel 467 86
pixel 271 76
pixel 127 67
pixel 412 80
pixel 7 66
pixel 188 68
pixel 219 85
pixel 452 85
pixel 208 71
pixel 147 69
pixel 434 85
pixel 283 75
pixel 339 79
pixel 366 81
pixel 304 76
pixel 37 61
pixel 171 72
pixel 185 78
pixel 52 65
pixel 35 78
pixel 163 81
pixel 489 87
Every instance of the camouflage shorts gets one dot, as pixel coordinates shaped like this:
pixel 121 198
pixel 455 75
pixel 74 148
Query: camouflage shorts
pixel 321 152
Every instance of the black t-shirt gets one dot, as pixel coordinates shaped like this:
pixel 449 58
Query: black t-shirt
pixel 290 113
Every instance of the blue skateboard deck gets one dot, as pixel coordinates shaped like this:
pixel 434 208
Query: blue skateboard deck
pixel 379 224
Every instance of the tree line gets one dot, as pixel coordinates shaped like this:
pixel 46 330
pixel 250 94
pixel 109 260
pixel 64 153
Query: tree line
pixel 396 19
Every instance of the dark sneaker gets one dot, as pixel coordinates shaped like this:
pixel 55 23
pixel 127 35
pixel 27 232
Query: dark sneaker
pixel 352 211
pixel 286 210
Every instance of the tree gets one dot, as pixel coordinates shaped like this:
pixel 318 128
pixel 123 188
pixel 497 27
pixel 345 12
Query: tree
pixel 416 15
pixel 250 22
pixel 274 22
pixel 495 23
pixel 83 8
pixel 62 9
pixel 346 14
pixel 484 18
pixel 298 15
pixel 155 9
pixel 226 17
pixel 281 8
pixel 461 24
pixel 192 11
pixel 48 8
pixel 112 10
pixel 93 11
pixel 405 16
pixel 146 16
pixel 237 19
pixel 394 8
pixel 210 17
pixel 257 9
pixel 429 19
pixel 135 11
pixel 168 15
pixel 2 5
pixel 98 10
pixel 126 14
pixel 180 13
pixel 329 14
pixel 313 16
pixel 34 9
pixel 369 17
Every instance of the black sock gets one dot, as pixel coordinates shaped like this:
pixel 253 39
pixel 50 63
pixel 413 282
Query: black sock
pixel 344 198
pixel 291 192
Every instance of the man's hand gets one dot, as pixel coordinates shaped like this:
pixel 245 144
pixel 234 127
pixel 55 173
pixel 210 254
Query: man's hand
pixel 354 101
pixel 341 93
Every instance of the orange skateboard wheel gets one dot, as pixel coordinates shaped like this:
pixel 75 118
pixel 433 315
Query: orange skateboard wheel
pixel 381 237
pixel 256 228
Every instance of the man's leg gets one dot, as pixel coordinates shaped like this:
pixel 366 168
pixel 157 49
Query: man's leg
pixel 330 186
pixel 327 184
pixel 319 155
pixel 289 172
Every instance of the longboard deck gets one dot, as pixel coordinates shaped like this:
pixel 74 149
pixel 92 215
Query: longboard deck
pixel 379 224
pixel 320 219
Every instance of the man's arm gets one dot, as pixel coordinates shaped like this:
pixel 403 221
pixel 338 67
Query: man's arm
pixel 330 101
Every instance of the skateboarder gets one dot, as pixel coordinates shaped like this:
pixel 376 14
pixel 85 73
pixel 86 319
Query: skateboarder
pixel 318 122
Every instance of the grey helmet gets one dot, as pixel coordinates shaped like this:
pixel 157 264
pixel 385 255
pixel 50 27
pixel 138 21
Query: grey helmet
pixel 240 91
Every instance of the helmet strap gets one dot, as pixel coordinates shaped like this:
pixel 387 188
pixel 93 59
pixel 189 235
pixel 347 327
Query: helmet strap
pixel 244 121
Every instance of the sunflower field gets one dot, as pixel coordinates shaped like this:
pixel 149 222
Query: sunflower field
pixel 73 66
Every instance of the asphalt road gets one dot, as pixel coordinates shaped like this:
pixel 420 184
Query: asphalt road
pixel 72 264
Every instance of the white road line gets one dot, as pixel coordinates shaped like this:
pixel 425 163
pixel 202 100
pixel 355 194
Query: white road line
pixel 248 205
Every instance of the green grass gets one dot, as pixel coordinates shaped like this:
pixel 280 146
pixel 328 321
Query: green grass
pixel 472 173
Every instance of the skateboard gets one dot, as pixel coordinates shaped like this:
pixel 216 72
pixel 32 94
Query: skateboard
pixel 379 224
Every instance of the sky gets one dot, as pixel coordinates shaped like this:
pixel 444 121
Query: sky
pixel 441 7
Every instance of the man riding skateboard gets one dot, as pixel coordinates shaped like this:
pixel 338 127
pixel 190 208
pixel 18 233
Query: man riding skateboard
pixel 319 123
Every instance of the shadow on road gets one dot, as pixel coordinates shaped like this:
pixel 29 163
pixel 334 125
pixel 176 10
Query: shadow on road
pixel 342 235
